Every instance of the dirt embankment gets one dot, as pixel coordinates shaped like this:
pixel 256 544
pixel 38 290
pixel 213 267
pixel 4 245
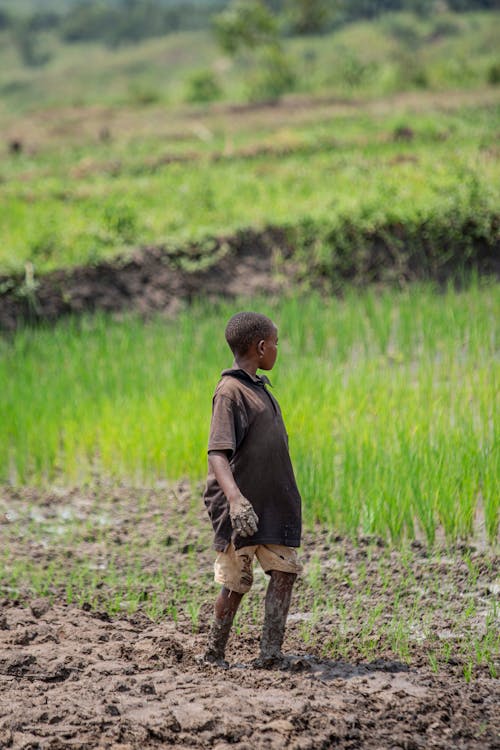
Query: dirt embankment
pixel 247 263
pixel 152 279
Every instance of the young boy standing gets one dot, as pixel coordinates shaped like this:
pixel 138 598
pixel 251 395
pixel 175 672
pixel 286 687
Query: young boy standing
pixel 251 494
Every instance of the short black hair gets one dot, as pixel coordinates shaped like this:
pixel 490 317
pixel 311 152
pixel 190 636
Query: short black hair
pixel 244 328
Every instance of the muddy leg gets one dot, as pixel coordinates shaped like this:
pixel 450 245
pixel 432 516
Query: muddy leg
pixel 226 606
pixel 278 597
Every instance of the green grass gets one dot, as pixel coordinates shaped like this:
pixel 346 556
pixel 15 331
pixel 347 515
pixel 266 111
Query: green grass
pixel 93 202
pixel 390 400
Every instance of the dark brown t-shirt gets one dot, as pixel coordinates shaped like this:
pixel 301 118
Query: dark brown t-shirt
pixel 247 425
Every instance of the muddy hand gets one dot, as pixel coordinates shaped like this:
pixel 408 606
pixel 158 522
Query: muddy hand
pixel 244 519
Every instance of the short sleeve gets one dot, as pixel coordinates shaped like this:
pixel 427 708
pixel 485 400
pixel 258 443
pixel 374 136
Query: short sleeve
pixel 228 426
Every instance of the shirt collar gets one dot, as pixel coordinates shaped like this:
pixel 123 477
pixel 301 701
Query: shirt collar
pixel 244 375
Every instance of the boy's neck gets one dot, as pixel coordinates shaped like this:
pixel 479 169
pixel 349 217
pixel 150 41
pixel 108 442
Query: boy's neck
pixel 248 364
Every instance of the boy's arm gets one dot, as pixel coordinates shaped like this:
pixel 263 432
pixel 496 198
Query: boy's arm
pixel 244 520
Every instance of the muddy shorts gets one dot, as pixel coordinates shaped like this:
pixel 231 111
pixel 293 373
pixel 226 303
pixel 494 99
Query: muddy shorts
pixel 233 568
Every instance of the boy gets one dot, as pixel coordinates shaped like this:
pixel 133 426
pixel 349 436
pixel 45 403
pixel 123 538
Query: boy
pixel 251 494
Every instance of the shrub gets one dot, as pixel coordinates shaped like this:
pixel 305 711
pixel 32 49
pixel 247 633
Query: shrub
pixel 143 95
pixel 274 75
pixel 27 44
pixel 494 74
pixel 203 86
pixel 121 220
pixel 404 31
pixel 444 27
pixel 352 71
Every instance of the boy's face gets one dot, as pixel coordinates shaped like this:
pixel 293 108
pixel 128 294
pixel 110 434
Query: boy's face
pixel 268 351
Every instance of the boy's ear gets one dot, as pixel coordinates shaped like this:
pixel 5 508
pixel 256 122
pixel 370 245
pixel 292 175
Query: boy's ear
pixel 260 346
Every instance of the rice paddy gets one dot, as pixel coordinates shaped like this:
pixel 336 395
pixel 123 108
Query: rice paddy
pixel 390 399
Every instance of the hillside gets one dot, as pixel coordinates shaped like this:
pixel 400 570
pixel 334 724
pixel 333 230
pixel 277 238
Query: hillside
pixel 396 53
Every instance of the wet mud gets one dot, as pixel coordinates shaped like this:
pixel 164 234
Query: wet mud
pixel 79 677
pixel 74 679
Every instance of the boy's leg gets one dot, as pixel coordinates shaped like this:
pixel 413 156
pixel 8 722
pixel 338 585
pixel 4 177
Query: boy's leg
pixel 233 570
pixel 226 606
pixel 278 597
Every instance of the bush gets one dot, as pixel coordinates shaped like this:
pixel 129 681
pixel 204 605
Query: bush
pixel 494 74
pixel 404 31
pixel 5 20
pixel 444 27
pixel 352 70
pixel 411 71
pixel 274 75
pixel 27 44
pixel 308 16
pixel 203 86
pixel 143 95
pixel 121 221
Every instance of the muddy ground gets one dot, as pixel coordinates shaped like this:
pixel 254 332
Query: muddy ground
pixel 76 676
pixel 74 679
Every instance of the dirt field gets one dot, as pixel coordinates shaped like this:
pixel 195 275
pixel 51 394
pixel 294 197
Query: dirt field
pixel 75 677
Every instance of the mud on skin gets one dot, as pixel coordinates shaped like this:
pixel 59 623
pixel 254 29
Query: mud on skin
pixel 73 676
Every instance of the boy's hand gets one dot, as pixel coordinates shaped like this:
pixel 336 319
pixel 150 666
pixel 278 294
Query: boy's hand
pixel 244 519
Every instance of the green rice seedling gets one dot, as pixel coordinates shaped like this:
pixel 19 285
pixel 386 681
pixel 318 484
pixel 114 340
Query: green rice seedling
pixel 383 445
pixel 433 662
pixel 314 572
pixel 468 671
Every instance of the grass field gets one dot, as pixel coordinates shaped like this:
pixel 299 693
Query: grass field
pixel 92 201
pixel 102 171
pixel 390 400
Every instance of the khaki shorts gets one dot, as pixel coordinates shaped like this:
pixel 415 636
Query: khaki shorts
pixel 233 568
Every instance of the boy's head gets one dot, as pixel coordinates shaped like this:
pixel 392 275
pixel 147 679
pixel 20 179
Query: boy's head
pixel 246 330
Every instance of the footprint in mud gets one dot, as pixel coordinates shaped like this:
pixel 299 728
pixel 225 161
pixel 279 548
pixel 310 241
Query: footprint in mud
pixel 18 665
pixel 158 651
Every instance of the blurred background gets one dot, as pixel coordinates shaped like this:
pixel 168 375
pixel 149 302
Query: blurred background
pixel 145 52
pixel 120 119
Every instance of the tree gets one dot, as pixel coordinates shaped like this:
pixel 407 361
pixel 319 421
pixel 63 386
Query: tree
pixel 5 20
pixel 27 44
pixel 248 26
pixel 245 24
pixel 308 16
